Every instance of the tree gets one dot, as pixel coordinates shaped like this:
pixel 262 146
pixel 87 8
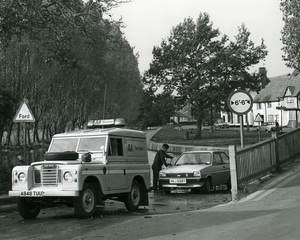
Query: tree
pixel 290 32
pixel 61 55
pixel 7 112
pixel 202 66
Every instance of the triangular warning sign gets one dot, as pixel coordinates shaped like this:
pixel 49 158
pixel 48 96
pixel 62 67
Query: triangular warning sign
pixel 258 118
pixel 24 114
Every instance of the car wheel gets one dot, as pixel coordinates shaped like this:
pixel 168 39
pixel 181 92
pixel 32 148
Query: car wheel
pixel 133 198
pixel 228 185
pixel 27 208
pixel 195 190
pixel 167 190
pixel 85 204
pixel 207 186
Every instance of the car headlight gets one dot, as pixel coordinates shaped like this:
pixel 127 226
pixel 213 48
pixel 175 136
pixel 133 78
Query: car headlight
pixel 196 174
pixel 68 176
pixel 162 174
pixel 22 177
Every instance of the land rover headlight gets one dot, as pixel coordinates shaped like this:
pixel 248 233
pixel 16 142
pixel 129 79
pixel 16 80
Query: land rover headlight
pixel 196 174
pixel 68 176
pixel 162 174
pixel 22 177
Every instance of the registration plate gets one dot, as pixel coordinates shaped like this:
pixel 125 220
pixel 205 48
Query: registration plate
pixel 178 180
pixel 32 193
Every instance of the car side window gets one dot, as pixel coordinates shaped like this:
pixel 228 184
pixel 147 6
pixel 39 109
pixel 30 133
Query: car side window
pixel 217 159
pixel 225 157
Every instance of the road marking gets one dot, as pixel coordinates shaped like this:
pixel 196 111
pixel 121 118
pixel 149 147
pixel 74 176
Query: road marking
pixel 265 192
pixel 278 186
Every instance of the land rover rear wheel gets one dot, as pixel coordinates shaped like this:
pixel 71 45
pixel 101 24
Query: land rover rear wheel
pixel 85 204
pixel 27 208
pixel 133 198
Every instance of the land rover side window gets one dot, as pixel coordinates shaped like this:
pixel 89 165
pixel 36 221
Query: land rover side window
pixel 91 144
pixel 115 147
pixel 62 145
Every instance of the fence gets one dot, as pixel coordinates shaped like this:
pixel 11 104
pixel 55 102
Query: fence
pixel 254 162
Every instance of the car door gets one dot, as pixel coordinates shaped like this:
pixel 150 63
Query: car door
pixel 220 170
pixel 226 167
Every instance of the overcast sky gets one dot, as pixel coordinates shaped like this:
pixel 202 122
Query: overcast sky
pixel 150 21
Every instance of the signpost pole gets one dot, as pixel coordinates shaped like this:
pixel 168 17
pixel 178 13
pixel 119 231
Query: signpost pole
pixel 24 115
pixel 242 130
pixel 240 102
pixel 24 147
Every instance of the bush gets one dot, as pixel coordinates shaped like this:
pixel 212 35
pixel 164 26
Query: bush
pixel 5 179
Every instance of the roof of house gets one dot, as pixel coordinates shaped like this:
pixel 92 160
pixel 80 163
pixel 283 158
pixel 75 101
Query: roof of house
pixel 277 88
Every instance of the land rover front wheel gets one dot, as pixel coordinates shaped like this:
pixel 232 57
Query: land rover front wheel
pixel 85 204
pixel 133 198
pixel 27 208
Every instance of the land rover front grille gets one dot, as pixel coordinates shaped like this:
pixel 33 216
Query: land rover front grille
pixel 48 175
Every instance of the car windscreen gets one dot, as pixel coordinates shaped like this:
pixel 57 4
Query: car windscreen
pixel 194 158
pixel 90 144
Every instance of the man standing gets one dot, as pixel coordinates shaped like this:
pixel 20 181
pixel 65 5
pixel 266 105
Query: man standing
pixel 159 160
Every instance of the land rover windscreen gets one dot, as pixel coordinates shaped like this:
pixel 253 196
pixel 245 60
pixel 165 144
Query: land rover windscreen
pixel 94 145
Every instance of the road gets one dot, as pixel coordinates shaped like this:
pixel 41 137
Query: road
pixel 270 213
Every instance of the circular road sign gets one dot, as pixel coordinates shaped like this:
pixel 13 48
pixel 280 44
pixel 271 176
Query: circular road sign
pixel 240 102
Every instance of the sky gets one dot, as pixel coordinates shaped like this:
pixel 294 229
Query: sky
pixel 148 22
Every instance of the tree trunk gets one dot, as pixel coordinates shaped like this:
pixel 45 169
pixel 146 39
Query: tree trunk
pixel 1 136
pixel 247 121
pixel 199 127
pixel 8 136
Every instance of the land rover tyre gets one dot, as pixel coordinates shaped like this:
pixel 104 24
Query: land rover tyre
pixel 85 204
pixel 68 155
pixel 133 198
pixel 207 186
pixel 27 208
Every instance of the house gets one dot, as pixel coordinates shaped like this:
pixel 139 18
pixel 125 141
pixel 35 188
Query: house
pixel 184 115
pixel 279 100
pixel 233 119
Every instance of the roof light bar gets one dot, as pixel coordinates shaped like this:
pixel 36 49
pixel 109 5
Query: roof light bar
pixel 107 123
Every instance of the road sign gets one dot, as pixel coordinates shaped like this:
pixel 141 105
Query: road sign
pixel 24 114
pixel 240 102
pixel 258 118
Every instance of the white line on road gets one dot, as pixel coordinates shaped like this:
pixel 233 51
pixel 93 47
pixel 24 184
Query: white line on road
pixel 263 193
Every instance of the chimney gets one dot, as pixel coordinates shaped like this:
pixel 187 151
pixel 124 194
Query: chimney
pixel 262 74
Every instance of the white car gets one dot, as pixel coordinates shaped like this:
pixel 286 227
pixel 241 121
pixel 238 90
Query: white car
pixel 197 170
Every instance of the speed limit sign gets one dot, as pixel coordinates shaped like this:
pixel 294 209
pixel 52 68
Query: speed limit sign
pixel 240 102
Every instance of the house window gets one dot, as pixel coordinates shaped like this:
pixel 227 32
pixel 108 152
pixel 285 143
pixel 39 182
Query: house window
pixel 290 100
pixel 269 105
pixel 259 106
pixel 270 118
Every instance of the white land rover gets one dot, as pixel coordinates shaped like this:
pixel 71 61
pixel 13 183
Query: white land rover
pixel 84 168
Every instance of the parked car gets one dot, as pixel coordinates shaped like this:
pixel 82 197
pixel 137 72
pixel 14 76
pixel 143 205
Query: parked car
pixel 221 124
pixel 268 127
pixel 197 170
